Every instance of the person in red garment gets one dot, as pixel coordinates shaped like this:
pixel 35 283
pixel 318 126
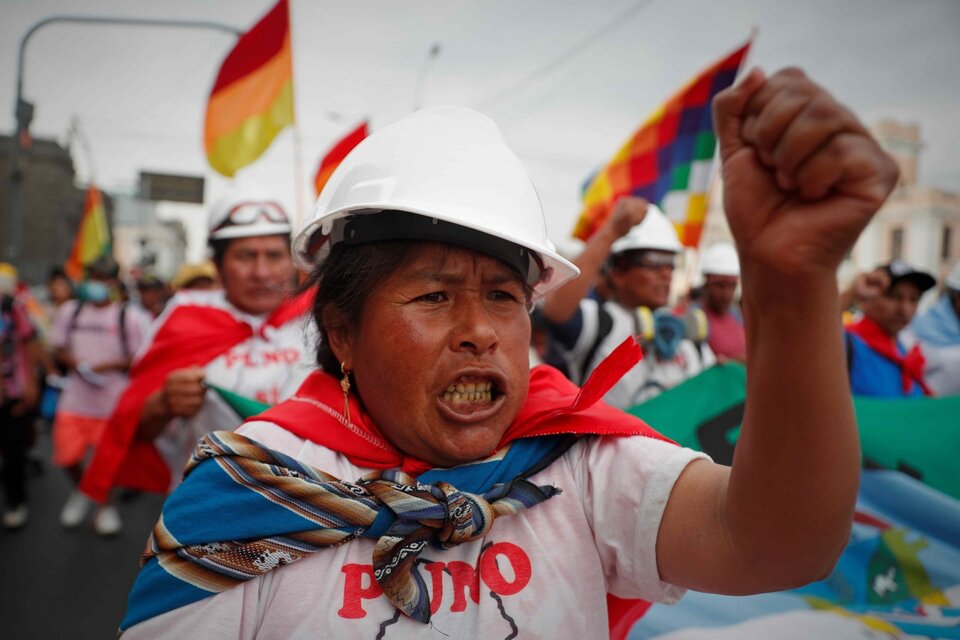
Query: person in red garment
pixel 721 276
pixel 879 363
pixel 426 482
pixel 245 338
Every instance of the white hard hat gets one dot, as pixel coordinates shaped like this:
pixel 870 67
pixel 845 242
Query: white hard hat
pixel 720 260
pixel 444 174
pixel 655 232
pixel 952 281
pixel 246 211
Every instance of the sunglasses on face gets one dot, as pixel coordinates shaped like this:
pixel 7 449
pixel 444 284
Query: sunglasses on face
pixel 251 212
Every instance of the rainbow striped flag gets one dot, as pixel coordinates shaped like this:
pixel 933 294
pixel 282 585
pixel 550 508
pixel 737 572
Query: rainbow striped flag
pixel 93 236
pixel 252 97
pixel 668 160
pixel 336 155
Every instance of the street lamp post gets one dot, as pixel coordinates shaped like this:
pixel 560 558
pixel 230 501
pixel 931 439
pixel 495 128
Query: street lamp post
pixel 23 110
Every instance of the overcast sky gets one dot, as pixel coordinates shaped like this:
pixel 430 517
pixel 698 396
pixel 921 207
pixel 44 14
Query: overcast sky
pixel 567 81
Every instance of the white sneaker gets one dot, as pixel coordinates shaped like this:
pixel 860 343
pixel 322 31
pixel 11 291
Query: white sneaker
pixel 107 521
pixel 75 511
pixel 15 518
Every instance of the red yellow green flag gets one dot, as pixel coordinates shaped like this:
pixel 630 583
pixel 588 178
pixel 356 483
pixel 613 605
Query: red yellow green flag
pixel 93 236
pixel 668 161
pixel 252 98
pixel 336 155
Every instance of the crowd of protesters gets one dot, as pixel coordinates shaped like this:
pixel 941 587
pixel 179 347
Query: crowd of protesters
pixel 130 386
pixel 426 261
pixel 66 361
pixel 107 374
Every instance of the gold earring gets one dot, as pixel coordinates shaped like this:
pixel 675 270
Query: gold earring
pixel 345 385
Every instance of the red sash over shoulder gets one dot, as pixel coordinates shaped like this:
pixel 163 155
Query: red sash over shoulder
pixel 554 406
pixel 191 335
pixel 911 365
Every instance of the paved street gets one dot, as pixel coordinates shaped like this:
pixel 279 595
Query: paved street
pixel 68 584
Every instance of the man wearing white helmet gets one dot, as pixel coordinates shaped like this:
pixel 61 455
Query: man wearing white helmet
pixel 244 338
pixel 938 331
pixel 410 487
pixel 721 275
pixel 636 251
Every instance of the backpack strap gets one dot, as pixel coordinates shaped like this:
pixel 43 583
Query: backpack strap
pixel 124 339
pixel 74 316
pixel 604 325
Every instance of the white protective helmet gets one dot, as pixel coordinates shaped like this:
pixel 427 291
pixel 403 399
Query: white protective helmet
pixel 442 174
pixel 655 232
pixel 244 212
pixel 720 259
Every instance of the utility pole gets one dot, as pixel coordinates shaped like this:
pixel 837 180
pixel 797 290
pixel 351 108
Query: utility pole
pixel 23 110
pixel 421 74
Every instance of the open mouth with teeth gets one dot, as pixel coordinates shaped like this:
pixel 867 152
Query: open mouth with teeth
pixel 477 392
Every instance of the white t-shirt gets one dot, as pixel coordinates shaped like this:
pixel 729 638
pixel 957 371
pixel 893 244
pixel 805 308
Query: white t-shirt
pixel 541 573
pixel 267 367
pixel 941 370
pixel 92 336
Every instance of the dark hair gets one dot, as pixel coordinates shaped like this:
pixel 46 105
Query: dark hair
pixel 346 279
pixel 103 267
pixel 218 248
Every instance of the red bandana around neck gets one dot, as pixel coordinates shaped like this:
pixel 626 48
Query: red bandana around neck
pixel 911 364
pixel 554 405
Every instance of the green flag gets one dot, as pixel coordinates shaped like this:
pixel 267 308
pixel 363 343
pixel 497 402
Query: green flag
pixel 243 406
pixel 919 436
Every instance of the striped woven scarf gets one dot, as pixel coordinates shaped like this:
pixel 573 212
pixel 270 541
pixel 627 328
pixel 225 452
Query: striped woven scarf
pixel 243 510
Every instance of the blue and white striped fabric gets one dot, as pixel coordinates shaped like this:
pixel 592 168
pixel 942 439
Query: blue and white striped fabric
pixel 243 510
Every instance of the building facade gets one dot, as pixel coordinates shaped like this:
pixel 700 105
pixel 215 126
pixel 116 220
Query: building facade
pixel 52 207
pixel 143 242
pixel 918 224
pixel 51 204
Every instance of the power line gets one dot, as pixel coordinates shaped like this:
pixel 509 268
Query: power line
pixel 617 21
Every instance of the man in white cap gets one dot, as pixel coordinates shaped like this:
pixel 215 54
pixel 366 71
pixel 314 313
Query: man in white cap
pixel 635 252
pixel 244 338
pixel 721 275
pixel 938 331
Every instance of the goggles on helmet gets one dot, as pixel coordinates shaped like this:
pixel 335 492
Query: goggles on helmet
pixel 245 213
